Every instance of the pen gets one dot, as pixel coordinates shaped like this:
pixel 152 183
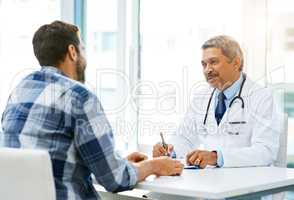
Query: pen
pixel 164 144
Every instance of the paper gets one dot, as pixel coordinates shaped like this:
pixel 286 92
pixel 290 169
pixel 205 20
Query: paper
pixel 191 167
pixel 186 166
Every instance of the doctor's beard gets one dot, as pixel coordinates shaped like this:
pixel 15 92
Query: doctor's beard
pixel 220 84
pixel 214 80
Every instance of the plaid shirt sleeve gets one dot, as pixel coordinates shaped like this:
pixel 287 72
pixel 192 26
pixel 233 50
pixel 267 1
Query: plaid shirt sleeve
pixel 94 142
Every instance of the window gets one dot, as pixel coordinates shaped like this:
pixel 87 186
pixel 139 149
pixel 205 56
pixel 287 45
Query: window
pixel 172 33
pixel 19 19
pixel 280 60
pixel 105 49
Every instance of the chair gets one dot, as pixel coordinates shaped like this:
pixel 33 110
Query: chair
pixel 282 153
pixel 26 175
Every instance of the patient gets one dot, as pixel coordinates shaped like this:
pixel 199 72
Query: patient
pixel 51 109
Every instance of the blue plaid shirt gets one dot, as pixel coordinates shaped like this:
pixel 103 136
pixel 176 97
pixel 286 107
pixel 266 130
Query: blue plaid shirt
pixel 49 111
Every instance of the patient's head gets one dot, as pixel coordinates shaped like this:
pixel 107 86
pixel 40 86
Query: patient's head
pixel 58 44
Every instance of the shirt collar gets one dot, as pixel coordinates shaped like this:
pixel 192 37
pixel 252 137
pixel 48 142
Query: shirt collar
pixel 231 91
pixel 52 69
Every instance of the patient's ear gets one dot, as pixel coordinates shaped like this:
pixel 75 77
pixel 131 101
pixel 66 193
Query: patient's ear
pixel 72 52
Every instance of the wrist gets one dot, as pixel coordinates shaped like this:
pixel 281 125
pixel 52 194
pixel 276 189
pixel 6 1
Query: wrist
pixel 153 165
pixel 144 168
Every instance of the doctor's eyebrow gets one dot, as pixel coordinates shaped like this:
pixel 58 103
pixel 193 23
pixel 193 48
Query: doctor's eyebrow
pixel 211 61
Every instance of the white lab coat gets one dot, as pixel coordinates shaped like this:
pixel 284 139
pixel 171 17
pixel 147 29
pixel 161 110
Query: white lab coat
pixel 255 143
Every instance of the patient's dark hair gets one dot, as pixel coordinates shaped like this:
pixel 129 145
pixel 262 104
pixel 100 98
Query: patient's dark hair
pixel 51 41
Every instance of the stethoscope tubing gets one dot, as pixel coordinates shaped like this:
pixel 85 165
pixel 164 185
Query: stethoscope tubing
pixel 231 103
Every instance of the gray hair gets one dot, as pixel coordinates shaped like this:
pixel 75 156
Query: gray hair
pixel 229 47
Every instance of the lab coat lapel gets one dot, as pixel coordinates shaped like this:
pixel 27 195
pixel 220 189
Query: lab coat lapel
pixel 211 121
pixel 235 109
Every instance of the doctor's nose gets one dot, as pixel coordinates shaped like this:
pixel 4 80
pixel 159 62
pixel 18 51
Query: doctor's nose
pixel 208 69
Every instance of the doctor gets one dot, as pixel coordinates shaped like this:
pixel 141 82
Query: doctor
pixel 231 123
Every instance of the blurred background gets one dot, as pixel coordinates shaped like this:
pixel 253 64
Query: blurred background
pixel 144 55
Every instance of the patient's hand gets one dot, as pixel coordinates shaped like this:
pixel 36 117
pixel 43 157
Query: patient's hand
pixel 161 166
pixel 136 157
pixel 165 166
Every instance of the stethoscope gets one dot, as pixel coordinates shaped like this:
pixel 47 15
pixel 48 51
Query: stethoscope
pixel 238 97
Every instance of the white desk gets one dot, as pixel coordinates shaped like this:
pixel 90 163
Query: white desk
pixel 220 183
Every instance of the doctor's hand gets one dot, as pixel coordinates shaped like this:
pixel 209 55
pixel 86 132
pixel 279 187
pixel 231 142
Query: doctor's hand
pixel 159 150
pixel 201 158
pixel 136 157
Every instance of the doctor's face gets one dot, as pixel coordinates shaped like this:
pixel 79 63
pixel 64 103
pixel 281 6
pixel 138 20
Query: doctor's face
pixel 219 71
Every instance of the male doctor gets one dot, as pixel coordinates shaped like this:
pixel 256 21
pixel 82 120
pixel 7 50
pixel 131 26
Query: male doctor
pixel 231 123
